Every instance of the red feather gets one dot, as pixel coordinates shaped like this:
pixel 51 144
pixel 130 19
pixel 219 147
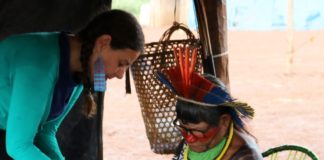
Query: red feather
pixel 185 81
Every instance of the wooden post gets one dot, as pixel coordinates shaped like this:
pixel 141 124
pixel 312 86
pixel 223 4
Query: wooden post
pixel 211 17
pixel 290 37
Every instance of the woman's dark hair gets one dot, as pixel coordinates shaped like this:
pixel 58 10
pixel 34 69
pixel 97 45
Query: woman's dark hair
pixel 126 33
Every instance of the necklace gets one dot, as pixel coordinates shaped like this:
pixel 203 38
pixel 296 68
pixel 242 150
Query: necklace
pixel 223 151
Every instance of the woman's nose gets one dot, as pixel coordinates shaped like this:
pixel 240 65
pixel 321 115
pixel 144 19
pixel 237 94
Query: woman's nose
pixel 120 73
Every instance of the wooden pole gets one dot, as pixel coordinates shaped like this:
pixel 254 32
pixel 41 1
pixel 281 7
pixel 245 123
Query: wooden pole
pixel 290 36
pixel 211 17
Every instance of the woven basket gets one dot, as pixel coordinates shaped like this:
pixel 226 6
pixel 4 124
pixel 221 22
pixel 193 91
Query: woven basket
pixel 156 101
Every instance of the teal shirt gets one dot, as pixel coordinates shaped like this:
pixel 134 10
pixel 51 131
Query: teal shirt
pixel 29 68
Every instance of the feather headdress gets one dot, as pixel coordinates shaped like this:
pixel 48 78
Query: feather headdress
pixel 195 88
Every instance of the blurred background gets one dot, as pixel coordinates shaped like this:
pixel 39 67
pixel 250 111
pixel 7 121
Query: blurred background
pixel 275 64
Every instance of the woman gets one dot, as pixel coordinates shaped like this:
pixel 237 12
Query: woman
pixel 209 119
pixel 43 74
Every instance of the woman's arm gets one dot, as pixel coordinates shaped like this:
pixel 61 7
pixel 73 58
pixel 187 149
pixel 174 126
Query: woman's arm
pixel 32 88
pixel 46 137
pixel 46 141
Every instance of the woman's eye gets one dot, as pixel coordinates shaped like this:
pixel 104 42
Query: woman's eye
pixel 123 64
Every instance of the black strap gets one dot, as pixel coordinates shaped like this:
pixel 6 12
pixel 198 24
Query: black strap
pixel 127 81
pixel 100 101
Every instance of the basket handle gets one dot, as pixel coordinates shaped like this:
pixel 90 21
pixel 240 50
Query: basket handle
pixel 167 35
pixel 176 26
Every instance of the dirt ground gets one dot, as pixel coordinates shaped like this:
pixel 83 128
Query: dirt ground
pixel 289 108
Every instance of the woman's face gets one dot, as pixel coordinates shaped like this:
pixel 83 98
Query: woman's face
pixel 115 61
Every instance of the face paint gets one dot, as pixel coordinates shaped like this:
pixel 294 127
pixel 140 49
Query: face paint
pixel 194 135
pixel 99 76
pixel 191 137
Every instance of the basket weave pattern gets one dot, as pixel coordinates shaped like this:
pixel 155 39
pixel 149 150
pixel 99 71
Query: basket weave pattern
pixel 156 101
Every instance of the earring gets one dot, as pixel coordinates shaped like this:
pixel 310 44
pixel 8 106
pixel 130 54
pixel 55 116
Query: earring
pixel 99 76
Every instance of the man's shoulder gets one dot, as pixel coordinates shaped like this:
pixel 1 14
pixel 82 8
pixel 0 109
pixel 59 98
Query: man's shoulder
pixel 247 153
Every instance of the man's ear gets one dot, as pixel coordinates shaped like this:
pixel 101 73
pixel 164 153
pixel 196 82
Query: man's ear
pixel 225 120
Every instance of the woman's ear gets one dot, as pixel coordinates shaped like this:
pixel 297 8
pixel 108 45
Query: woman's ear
pixel 103 41
pixel 100 44
pixel 224 120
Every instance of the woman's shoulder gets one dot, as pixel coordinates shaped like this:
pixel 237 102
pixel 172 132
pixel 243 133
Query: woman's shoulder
pixel 31 53
pixel 39 47
pixel 29 38
pixel 29 41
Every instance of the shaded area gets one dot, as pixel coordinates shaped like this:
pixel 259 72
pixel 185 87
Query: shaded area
pixel 79 137
pixel 74 136
pixel 19 16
